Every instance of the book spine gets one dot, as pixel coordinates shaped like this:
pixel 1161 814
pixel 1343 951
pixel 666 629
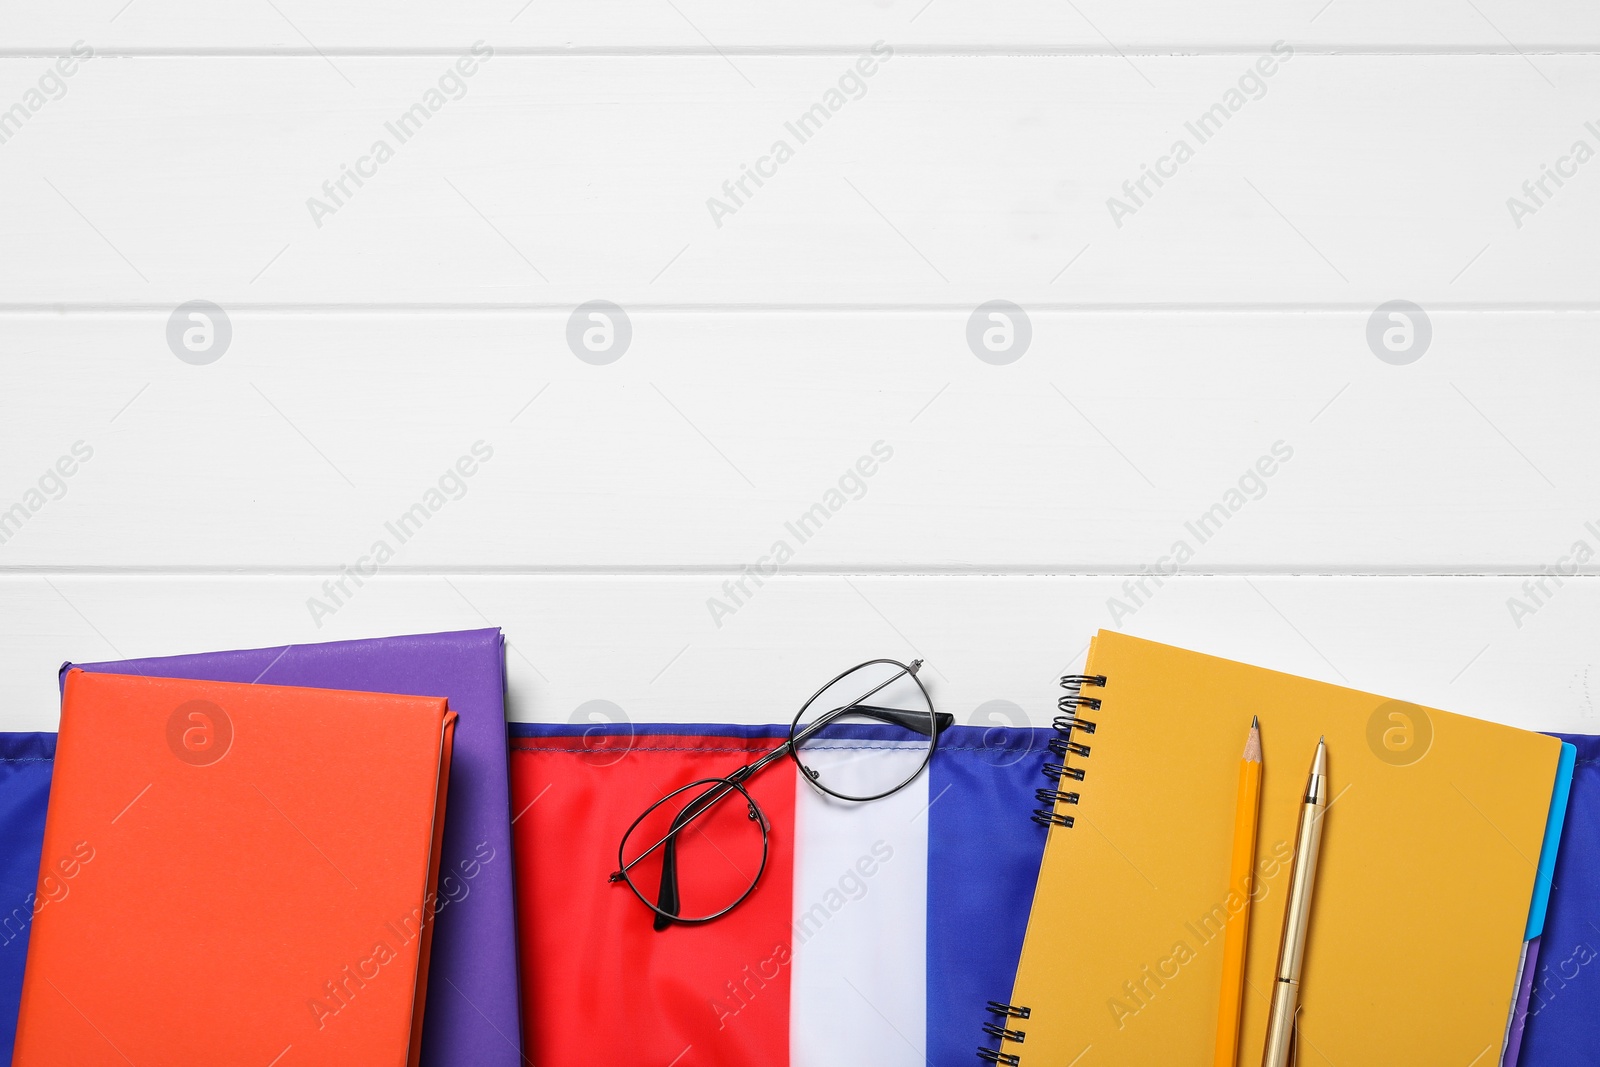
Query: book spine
pixel 1057 796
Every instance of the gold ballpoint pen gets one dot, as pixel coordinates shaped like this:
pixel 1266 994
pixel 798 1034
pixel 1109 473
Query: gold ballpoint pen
pixel 1284 1020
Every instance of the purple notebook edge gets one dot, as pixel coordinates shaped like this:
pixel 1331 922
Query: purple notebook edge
pixel 1519 1014
pixel 473 1013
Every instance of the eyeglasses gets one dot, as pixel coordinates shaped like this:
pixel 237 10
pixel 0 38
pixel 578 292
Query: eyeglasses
pixel 698 852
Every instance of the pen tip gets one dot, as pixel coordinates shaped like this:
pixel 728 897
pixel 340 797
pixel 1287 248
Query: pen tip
pixel 1255 722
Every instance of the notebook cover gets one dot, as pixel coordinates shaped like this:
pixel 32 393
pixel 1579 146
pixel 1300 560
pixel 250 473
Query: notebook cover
pixel 473 1013
pixel 873 928
pixel 1428 866
pixel 235 874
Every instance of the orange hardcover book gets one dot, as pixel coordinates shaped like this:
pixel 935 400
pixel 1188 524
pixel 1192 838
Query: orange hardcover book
pixel 235 874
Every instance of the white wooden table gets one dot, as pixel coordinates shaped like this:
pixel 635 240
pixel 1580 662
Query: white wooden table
pixel 230 471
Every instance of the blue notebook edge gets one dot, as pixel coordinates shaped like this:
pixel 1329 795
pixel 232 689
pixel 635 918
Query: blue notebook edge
pixel 1559 795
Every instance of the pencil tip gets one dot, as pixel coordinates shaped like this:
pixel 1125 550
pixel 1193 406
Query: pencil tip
pixel 1252 741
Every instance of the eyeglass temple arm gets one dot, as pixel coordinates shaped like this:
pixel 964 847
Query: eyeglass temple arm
pixel 915 721
pixel 667 899
pixel 667 896
pixel 912 720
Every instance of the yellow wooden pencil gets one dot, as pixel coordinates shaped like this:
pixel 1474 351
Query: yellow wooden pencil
pixel 1240 883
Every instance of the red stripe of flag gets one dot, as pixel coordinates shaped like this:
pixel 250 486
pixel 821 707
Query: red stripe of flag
pixel 599 984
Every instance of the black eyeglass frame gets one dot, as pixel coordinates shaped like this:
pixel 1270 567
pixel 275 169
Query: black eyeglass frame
pixel 666 906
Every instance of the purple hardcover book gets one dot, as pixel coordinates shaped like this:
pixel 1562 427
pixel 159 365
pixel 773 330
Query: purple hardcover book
pixel 472 1014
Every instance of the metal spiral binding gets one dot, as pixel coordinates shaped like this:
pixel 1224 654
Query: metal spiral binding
pixel 1062 745
pixel 996 1030
pixel 1070 721
pixel 1006 1012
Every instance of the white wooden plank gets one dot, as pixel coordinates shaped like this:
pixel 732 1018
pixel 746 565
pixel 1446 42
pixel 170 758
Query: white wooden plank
pixel 645 643
pixel 703 25
pixel 1100 448
pixel 1351 180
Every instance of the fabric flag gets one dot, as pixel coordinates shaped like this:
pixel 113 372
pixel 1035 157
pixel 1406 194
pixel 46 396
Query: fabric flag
pixel 875 935
pixel 26 763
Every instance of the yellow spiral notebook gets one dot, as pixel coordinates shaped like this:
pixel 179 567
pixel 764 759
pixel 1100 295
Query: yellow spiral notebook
pixel 1427 869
